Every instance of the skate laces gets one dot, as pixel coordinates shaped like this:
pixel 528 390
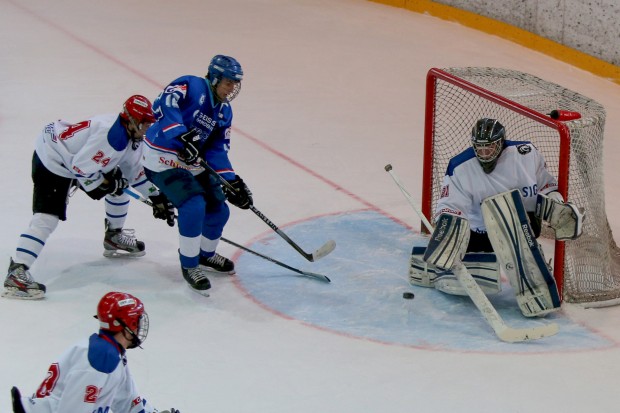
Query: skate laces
pixel 125 237
pixel 21 274
pixel 196 274
pixel 217 259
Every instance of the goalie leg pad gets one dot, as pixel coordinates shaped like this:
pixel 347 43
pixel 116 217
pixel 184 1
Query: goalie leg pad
pixel 448 241
pixel 483 267
pixel 519 254
pixel 421 273
pixel 565 218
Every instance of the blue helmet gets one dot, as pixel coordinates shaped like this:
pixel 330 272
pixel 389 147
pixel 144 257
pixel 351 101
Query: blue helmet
pixel 225 67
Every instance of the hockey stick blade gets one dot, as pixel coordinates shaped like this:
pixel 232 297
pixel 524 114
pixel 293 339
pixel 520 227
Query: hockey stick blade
pixel 318 254
pixel 502 331
pixel 313 275
pixel 327 248
pixel 516 335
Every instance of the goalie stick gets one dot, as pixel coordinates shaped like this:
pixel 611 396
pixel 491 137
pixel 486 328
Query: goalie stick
pixel 316 276
pixel 325 249
pixel 481 301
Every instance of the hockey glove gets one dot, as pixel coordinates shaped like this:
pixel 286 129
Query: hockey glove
pixel 163 208
pixel 116 182
pixel 113 184
pixel 241 197
pixel 191 147
pixel 565 218
pixel 170 411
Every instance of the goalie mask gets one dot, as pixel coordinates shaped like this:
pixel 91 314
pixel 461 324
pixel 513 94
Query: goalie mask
pixel 118 312
pixel 225 75
pixel 487 138
pixel 138 116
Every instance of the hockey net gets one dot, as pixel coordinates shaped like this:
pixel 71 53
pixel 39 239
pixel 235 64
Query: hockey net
pixel 587 270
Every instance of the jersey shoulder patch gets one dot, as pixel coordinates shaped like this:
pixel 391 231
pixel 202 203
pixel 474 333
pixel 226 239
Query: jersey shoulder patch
pixel 117 136
pixel 459 159
pixel 102 355
pixel 523 147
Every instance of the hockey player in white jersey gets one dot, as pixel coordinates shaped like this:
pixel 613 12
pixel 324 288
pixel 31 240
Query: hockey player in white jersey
pixel 494 199
pixel 93 375
pixel 100 155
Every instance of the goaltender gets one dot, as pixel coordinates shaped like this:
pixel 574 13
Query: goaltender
pixel 495 197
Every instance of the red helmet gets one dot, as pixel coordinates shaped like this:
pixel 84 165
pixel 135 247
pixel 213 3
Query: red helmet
pixel 139 108
pixel 121 311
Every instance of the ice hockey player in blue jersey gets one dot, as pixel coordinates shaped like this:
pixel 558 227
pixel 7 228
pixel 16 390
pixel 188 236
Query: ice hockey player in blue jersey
pixel 93 375
pixel 102 155
pixel 193 124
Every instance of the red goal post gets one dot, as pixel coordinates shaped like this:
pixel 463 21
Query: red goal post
pixel 587 270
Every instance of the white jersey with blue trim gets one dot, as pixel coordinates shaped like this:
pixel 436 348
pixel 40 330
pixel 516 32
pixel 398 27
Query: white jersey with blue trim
pixel 188 103
pixel 92 376
pixel 520 166
pixel 88 149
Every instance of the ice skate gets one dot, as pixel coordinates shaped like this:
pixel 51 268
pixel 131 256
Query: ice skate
pixel 197 280
pixel 121 243
pixel 217 264
pixel 20 284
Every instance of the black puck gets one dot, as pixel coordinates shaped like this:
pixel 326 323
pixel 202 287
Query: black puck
pixel 408 295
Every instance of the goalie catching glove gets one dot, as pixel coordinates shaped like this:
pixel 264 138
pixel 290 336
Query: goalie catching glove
pixel 241 196
pixel 163 208
pixel 564 217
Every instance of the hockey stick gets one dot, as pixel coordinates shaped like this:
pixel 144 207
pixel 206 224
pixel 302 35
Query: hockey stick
pixel 319 277
pixel 316 276
pixel 327 248
pixel 492 317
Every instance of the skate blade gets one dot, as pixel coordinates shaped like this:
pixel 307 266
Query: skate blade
pixel 204 293
pixel 214 271
pixel 17 294
pixel 122 254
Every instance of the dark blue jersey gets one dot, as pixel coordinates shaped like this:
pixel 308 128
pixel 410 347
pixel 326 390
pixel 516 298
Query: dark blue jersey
pixel 188 103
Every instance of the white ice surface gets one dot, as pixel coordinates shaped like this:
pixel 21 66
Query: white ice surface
pixel 333 91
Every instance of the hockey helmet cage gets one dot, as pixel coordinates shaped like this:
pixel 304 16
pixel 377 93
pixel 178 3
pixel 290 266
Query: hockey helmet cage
pixel 118 311
pixel 487 139
pixel 139 109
